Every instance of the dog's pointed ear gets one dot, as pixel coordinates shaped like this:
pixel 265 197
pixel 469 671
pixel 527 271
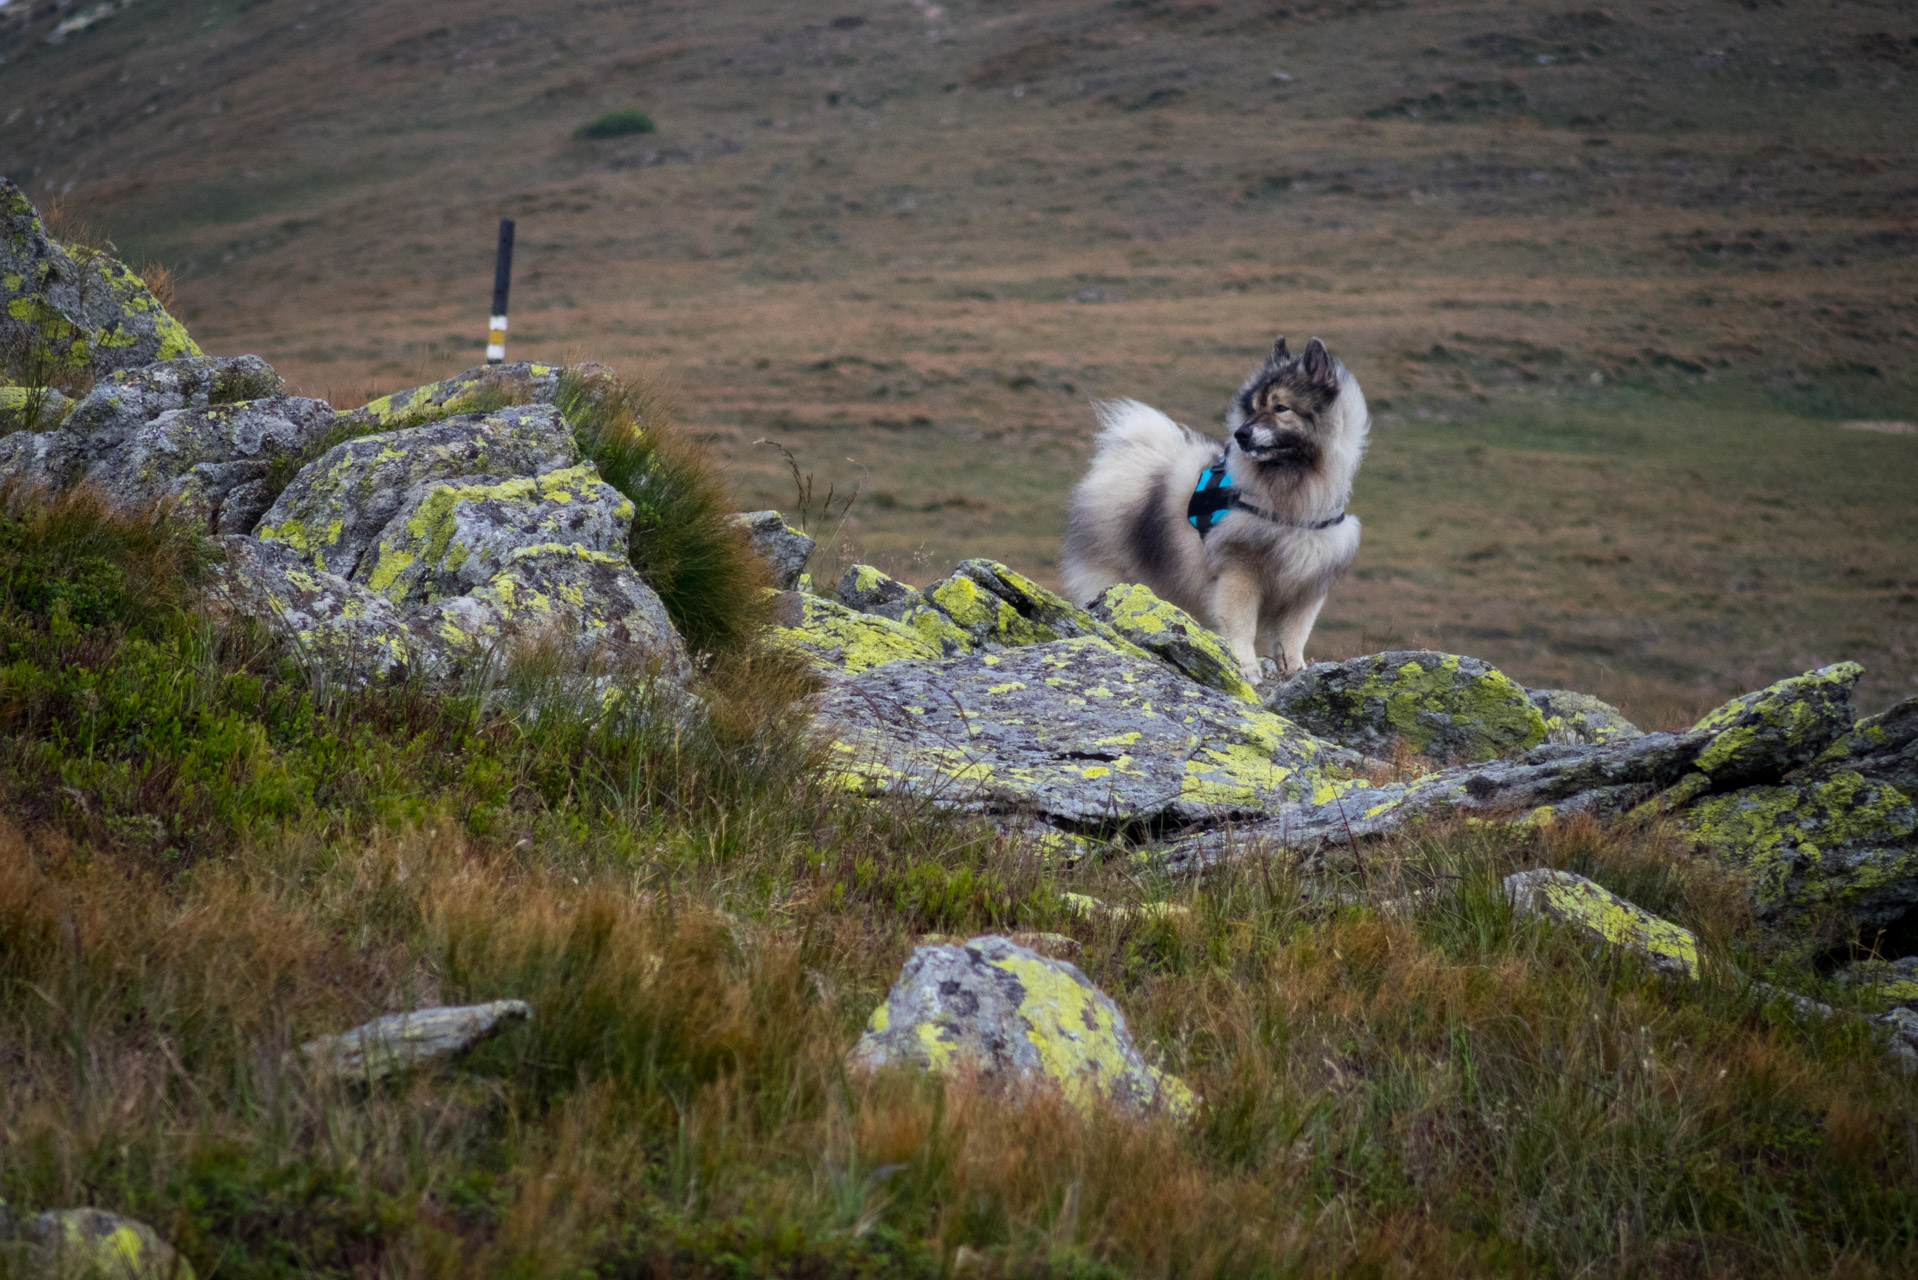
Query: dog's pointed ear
pixel 1319 369
pixel 1278 351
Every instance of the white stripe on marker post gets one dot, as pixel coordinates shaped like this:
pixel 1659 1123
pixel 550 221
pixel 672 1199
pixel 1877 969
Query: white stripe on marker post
pixel 502 277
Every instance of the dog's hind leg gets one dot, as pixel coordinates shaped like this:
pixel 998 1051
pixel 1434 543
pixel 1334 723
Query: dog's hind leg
pixel 1235 616
pixel 1293 631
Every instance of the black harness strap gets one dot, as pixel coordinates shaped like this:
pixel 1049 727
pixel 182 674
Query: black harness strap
pixel 1215 497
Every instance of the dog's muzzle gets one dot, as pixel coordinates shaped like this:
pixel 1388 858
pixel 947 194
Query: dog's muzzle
pixel 1266 442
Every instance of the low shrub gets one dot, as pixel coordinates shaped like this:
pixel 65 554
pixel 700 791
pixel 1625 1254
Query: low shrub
pixel 617 124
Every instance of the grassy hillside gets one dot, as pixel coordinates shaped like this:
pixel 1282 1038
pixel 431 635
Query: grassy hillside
pixel 209 854
pixel 1614 279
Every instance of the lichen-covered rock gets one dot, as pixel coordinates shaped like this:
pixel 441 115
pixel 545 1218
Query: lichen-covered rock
pixel 1579 717
pixel 91 1244
pixel 340 624
pixel 32 409
pixel 841 641
pixel 93 438
pixel 1454 709
pixel 1605 917
pixel 450 536
pixel 562 591
pixel 1883 748
pixel 1892 983
pixel 1762 736
pixel 997 608
pixel 1835 842
pixel 1072 732
pixel 485 387
pixel 784 548
pixel 868 590
pixel 1548 783
pixel 1016 1019
pixel 337 505
pixel 82 309
pixel 404 1041
pixel 1172 635
pixel 197 457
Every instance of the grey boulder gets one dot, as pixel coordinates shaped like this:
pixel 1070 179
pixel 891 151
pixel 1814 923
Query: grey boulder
pixel 403 1042
pixel 784 548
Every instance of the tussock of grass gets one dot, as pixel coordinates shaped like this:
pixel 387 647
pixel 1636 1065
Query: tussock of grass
pixel 206 859
pixel 684 541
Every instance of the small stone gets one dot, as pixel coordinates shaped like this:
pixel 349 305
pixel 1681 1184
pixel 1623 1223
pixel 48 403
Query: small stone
pixel 1451 708
pixel 1762 736
pixel 1097 909
pixel 1174 636
pixel 1017 1019
pixel 784 548
pixel 403 1041
pixel 1599 913
pixel 91 1244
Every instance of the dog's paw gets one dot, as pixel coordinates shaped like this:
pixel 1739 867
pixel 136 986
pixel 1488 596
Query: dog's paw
pixel 1254 672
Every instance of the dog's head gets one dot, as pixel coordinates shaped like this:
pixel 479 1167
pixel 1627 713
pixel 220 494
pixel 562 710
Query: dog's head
pixel 1283 414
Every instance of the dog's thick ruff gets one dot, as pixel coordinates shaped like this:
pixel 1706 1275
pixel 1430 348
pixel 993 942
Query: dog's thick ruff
pixel 1259 579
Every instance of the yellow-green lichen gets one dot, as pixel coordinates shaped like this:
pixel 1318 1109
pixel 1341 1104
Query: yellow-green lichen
pixel 843 639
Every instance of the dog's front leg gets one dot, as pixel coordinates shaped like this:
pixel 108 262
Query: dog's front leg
pixel 1294 629
pixel 1235 615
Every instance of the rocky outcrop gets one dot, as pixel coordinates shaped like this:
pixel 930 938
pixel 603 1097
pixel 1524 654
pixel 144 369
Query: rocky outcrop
pixel 203 433
pixel 1572 718
pixel 1076 733
pixel 1760 735
pixel 1451 708
pixel 81 311
pixel 1017 1020
pixel 403 1042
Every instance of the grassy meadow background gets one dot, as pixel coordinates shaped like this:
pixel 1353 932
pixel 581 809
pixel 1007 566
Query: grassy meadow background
pixel 1614 279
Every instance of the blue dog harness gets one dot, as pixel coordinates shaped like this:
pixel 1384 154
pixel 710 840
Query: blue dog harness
pixel 1215 497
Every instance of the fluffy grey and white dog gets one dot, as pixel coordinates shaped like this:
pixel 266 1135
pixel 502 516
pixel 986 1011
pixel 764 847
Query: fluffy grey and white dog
pixel 1249 536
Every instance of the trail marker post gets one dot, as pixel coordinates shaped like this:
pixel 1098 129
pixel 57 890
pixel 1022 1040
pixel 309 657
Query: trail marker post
pixel 502 278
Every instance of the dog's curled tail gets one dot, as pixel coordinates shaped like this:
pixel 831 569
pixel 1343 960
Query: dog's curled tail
pixel 1127 425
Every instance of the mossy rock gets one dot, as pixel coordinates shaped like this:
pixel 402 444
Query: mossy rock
pixel 1071 732
pixel 843 641
pixel 1451 708
pixel 32 409
pixel 1762 736
pixel 1840 843
pixel 1601 915
pixel 871 590
pixel 1173 636
pixel 85 312
pixel 1021 1021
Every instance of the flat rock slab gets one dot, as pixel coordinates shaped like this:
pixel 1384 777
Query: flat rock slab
pixel 1073 732
pixel 403 1041
pixel 1015 1018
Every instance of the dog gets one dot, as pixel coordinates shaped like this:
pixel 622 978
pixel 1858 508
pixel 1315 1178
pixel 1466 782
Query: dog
pixel 1248 537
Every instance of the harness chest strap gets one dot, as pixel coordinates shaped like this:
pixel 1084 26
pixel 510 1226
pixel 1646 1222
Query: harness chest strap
pixel 1215 497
